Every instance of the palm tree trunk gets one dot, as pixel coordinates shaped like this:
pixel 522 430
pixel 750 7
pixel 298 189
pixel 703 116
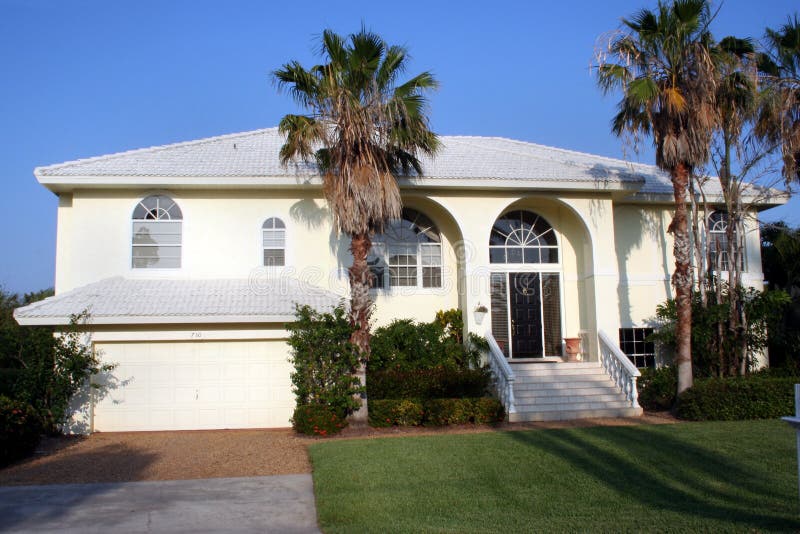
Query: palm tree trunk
pixel 360 312
pixel 682 278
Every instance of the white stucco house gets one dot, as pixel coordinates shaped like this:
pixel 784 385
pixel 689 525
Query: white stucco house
pixel 190 258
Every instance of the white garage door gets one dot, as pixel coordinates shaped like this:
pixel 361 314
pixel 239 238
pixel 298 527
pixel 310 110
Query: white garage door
pixel 195 385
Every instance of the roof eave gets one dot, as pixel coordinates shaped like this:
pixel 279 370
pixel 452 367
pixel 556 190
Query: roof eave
pixel 155 319
pixel 65 184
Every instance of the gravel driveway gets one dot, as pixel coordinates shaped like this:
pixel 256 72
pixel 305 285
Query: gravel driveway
pixel 134 456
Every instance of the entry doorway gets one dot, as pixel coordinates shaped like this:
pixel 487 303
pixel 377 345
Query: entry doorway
pixel 526 313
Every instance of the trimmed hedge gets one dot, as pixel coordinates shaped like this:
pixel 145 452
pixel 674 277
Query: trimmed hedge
pixel 733 399
pixel 438 383
pixel 20 430
pixel 317 420
pixel 658 387
pixel 434 412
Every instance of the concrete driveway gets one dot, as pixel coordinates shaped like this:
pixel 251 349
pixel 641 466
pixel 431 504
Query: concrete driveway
pixel 281 503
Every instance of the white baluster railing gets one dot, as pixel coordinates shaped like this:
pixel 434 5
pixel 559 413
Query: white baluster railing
pixel 503 374
pixel 619 368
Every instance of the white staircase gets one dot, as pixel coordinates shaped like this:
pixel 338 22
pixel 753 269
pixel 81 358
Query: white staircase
pixel 559 391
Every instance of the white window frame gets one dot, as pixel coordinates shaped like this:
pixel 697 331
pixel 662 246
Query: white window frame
pixel 168 219
pixel 712 233
pixel 264 248
pixel 382 252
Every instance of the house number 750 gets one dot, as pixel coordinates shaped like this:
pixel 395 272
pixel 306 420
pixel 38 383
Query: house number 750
pixel 196 335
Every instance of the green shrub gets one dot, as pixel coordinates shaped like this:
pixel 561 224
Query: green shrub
pixel 317 420
pixel 20 429
pixel 658 387
pixel 733 399
pixel 763 310
pixel 324 360
pixel 437 383
pixel 395 412
pixel 435 412
pixel 406 345
pixel 488 410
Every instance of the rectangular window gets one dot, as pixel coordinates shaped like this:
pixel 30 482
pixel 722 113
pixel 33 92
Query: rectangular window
pixel 431 256
pixel 632 341
pixel 156 245
pixel 274 243
pixel 500 311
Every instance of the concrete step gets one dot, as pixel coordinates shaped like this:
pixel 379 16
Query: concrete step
pixel 547 392
pixel 564 370
pixel 553 365
pixel 608 396
pixel 580 404
pixel 565 415
pixel 549 382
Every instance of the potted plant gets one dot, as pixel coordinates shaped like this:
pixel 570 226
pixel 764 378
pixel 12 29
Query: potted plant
pixel 572 346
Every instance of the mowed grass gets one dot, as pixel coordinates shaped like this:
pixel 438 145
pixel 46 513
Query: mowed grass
pixel 733 476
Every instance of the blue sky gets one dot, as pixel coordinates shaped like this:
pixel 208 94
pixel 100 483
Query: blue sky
pixel 83 78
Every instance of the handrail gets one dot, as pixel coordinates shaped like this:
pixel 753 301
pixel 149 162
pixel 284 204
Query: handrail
pixel 504 375
pixel 620 368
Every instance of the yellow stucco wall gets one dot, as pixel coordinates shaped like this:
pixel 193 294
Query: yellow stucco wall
pixel 615 257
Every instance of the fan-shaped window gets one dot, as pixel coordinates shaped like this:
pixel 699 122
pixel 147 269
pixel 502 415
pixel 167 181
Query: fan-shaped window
pixel 719 259
pixel 274 242
pixel 156 233
pixel 407 254
pixel 522 237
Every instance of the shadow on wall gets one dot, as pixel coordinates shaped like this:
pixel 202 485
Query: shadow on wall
pixel 80 406
pixel 632 226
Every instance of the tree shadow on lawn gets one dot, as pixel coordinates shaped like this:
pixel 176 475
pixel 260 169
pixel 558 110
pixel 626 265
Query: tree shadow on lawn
pixel 37 492
pixel 656 468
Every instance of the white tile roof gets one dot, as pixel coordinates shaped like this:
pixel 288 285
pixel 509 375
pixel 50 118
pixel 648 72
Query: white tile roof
pixel 122 300
pixel 256 154
pixel 463 161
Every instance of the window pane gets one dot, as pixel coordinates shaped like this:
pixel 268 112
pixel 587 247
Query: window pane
pixel 431 277
pixel 514 255
pixel 156 233
pixel 274 257
pixel 497 255
pixel 274 238
pixel 549 255
pixel 156 257
pixel 403 276
pixel 532 255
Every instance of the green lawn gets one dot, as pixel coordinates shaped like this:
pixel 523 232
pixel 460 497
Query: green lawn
pixel 687 477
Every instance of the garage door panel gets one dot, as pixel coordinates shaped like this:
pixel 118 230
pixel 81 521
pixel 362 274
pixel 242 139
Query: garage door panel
pixel 196 385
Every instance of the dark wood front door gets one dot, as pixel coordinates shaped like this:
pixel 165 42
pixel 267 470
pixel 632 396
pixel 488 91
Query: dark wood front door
pixel 525 301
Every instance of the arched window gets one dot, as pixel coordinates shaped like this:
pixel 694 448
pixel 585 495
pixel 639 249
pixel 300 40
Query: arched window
pixel 408 253
pixel 522 237
pixel 274 242
pixel 718 242
pixel 156 234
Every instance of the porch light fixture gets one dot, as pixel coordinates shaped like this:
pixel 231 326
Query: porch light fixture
pixel 480 313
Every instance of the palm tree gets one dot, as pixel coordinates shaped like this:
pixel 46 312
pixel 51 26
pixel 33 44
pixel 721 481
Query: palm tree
pixel 779 113
pixel 363 129
pixel 661 63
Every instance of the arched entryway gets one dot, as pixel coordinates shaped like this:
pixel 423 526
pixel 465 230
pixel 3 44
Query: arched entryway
pixel 526 285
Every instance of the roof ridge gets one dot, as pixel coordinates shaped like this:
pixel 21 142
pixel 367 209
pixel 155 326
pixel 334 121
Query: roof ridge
pixel 154 148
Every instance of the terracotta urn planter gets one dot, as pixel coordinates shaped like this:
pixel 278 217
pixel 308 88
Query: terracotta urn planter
pixel 572 348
